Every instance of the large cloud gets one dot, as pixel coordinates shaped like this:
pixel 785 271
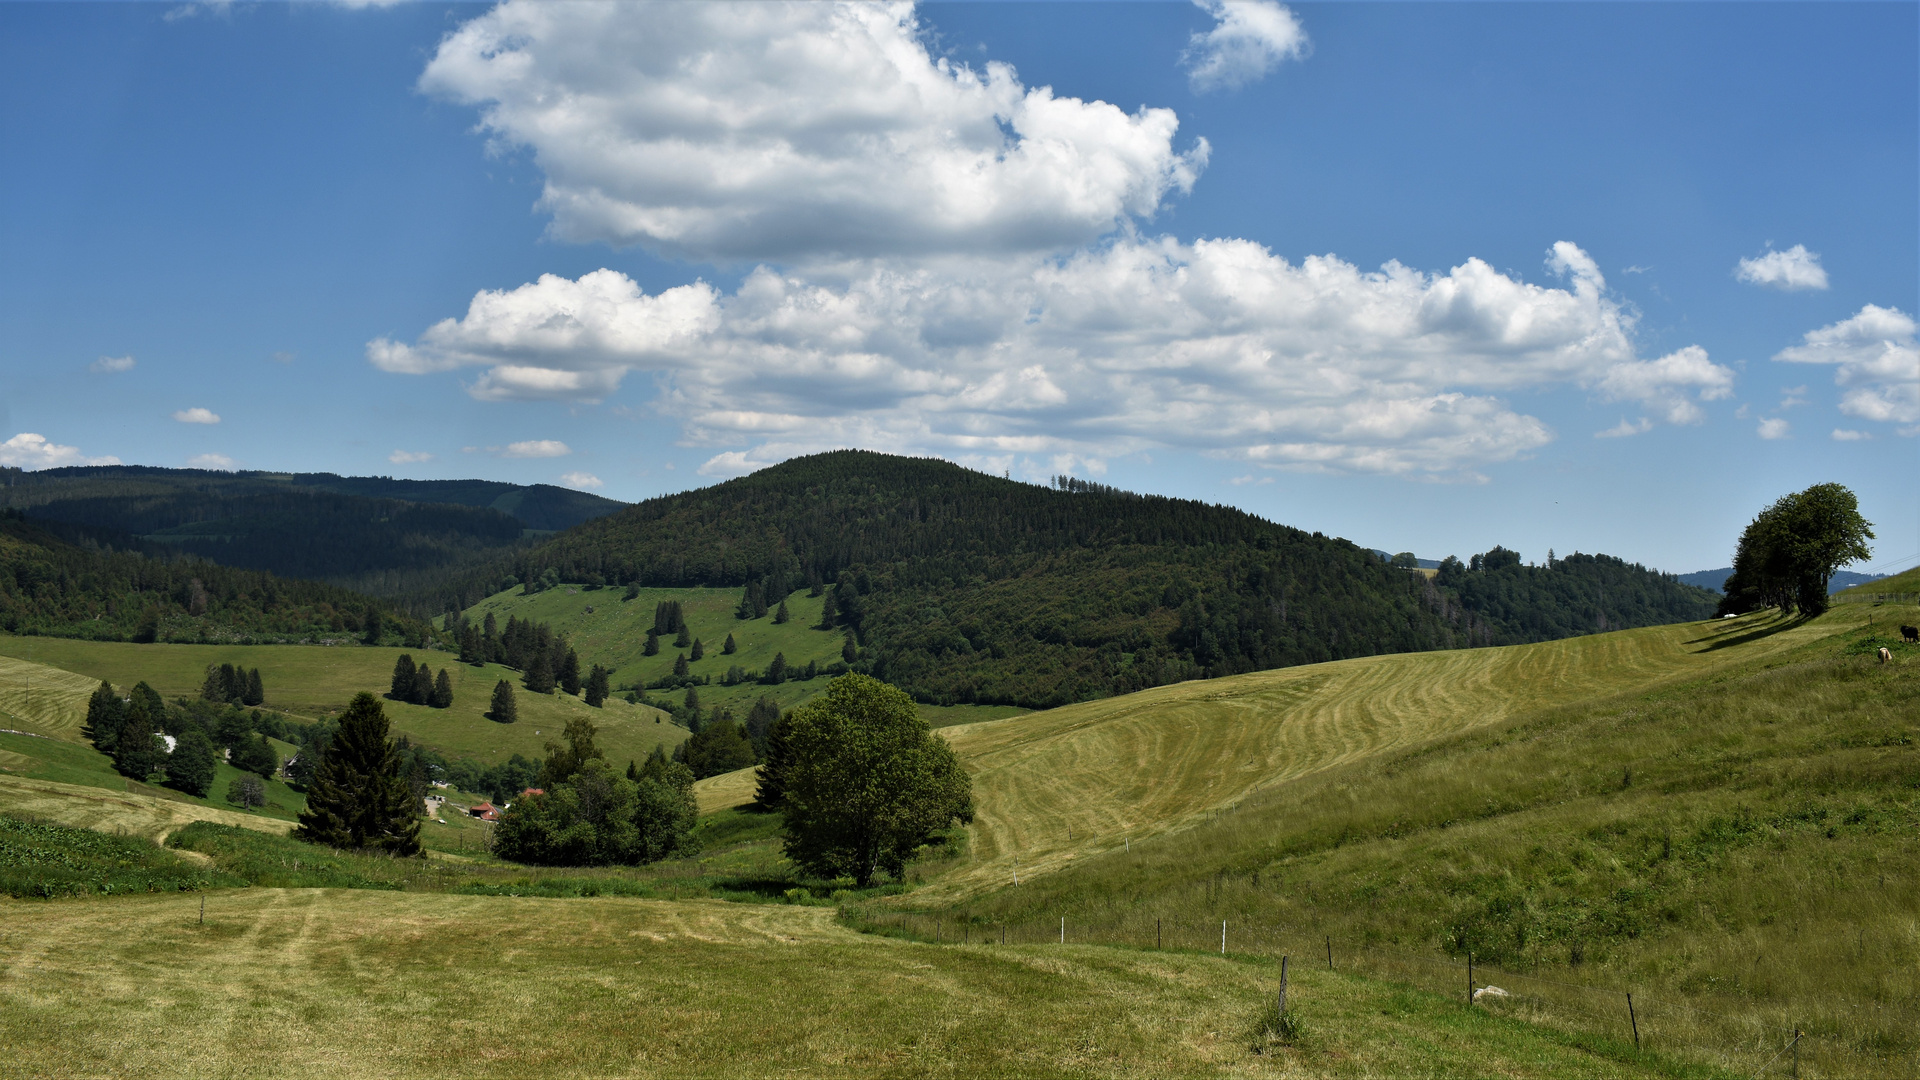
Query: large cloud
pixel 1878 359
pixel 1249 39
pixel 1218 346
pixel 1792 269
pixel 796 130
pixel 30 451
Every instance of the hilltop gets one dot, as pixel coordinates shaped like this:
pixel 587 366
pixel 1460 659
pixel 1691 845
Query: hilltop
pixel 966 588
pixel 376 535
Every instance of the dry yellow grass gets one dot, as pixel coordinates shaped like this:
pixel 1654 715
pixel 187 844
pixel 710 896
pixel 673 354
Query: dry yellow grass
pixel 111 811
pixel 366 983
pixel 43 700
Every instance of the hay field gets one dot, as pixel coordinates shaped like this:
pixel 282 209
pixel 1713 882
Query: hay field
pixel 356 983
pixel 1053 786
pixel 308 681
pixel 43 700
pixel 126 813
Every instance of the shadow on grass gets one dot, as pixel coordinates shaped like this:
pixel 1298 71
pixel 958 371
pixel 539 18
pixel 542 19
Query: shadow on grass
pixel 1727 640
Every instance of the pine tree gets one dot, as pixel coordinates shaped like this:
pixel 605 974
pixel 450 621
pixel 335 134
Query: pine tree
pixel 489 641
pixel 470 646
pixel 442 690
pixel 105 715
pixel 693 709
pixel 597 686
pixel 699 650
pixel 760 721
pixel 422 686
pixel 256 692
pixel 235 681
pixel 503 710
pixel 680 666
pixel 191 766
pixel 359 798
pixel 729 648
pixel 402 685
pixel 683 638
pixel 774 760
pixel 570 673
pixel 759 594
pixel 136 751
pixel 777 671
pixel 653 644
pixel 848 652
pixel 829 611
pixel 781 615
pixel 213 688
pixel 539 677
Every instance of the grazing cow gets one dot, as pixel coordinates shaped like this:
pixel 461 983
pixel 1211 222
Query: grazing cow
pixel 1886 654
pixel 1912 634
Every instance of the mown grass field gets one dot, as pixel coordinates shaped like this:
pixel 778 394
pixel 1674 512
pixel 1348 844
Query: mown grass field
pixel 370 983
pixel 605 628
pixel 310 681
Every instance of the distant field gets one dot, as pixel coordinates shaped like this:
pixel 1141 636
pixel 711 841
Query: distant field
pixel 348 983
pixel 614 633
pixel 309 681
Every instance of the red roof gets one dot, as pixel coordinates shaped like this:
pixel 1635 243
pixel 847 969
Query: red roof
pixel 533 791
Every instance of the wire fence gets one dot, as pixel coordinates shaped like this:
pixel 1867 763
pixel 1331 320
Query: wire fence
pixel 1876 598
pixel 1824 1041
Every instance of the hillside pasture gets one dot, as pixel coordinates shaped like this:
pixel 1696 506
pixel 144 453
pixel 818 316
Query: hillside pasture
pixel 349 983
pixel 310 681
pixel 42 699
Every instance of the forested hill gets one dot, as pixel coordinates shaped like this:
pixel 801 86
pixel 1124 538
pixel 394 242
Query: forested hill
pixel 373 534
pixel 964 587
pixel 57 580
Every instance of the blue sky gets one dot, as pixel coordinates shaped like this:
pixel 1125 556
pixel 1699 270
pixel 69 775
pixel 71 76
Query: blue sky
pixel 892 237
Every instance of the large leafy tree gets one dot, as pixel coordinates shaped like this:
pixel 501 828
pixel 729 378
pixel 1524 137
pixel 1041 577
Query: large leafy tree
pixel 1787 555
pixel 192 765
pixel 598 817
pixel 720 746
pixel 867 781
pixel 358 798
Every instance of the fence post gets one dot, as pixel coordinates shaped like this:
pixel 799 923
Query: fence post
pixel 203 909
pixel 1223 937
pixel 1283 989
pixel 1329 954
pixel 1016 870
pixel 1158 938
pixel 1634 1020
pixel 1469 976
pixel 1063 929
pixel 1796 1053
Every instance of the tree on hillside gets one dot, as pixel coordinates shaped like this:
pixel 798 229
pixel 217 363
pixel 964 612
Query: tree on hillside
pixel 680 666
pixel 191 766
pixel 597 688
pixel 442 691
pixel 570 672
pixel 504 709
pixel 653 645
pixel 698 651
pixel 720 746
pixel 829 610
pixel 539 676
pixel 359 799
pixel 422 686
pixel 246 792
pixel 136 749
pixel 564 758
pixel 776 671
pixel 256 692
pixel 256 756
pixel 105 715
pixel 867 782
pixel 401 688
pixel 684 638
pixel 780 615
pixel 775 758
pixel 1787 555
pixel 728 648
pixel 760 720
pixel 849 653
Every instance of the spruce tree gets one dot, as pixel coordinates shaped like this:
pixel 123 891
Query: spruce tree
pixel 680 666
pixel 359 799
pixel 105 715
pixel 191 766
pixel 777 671
pixel 699 650
pixel 235 680
pixel 470 646
pixel 781 615
pixel 422 686
pixel 503 710
pixel 136 751
pixel 683 638
pixel 597 686
pixel 256 692
pixel 848 652
pixel 829 611
pixel 539 677
pixel 401 689
pixel 213 688
pixel 570 672
pixel 442 690
pixel 653 644
pixel 774 760
pixel 728 648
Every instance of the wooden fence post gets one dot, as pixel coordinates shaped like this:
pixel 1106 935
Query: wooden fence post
pixel 1223 937
pixel 1634 1020
pixel 1469 976
pixel 1329 954
pixel 1158 937
pixel 203 909
pixel 1063 929
pixel 1283 989
pixel 1796 1053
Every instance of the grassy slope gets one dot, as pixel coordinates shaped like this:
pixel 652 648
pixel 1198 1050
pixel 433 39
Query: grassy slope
pixel 366 983
pixel 311 681
pixel 614 633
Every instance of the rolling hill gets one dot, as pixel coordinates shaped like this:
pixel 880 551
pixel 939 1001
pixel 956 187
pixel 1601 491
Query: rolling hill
pixel 968 588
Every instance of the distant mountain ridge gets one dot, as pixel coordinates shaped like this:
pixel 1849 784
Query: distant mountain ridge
pixel 969 588
pixel 1713 579
pixel 375 535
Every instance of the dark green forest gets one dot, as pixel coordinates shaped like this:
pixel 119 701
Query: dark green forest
pixel 967 588
pixel 372 534
pixel 69 586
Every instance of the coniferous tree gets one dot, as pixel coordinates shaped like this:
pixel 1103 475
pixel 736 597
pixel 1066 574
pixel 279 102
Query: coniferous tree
pixel 402 685
pixel 539 677
pixel 718 747
pixel 156 708
pixel 774 760
pixel 699 650
pixel 781 615
pixel 776 671
pixel 136 750
pixel 829 610
pixel 191 766
pixel 503 710
pixel 376 626
pixel 490 640
pixel 213 688
pixel 683 638
pixel 728 648
pixel 359 799
pixel 570 673
pixel 422 686
pixel 760 721
pixel 256 692
pixel 680 666
pixel 597 686
pixel 692 707
pixel 442 690
pixel 235 679
pixel 653 644
pixel 105 715
pixel 759 594
pixel 848 653
pixel 470 645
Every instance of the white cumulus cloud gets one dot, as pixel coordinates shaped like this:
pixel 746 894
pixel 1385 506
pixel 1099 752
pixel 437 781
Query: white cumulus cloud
pixel 197 415
pixel 1219 346
pixel 1626 429
pixel 1849 435
pixel 1878 361
pixel 583 480
pixel 748 131
pixel 1249 39
pixel 108 365
pixel 537 448
pixel 409 457
pixel 1793 269
pixel 1774 427
pixel 30 451
pixel 212 461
